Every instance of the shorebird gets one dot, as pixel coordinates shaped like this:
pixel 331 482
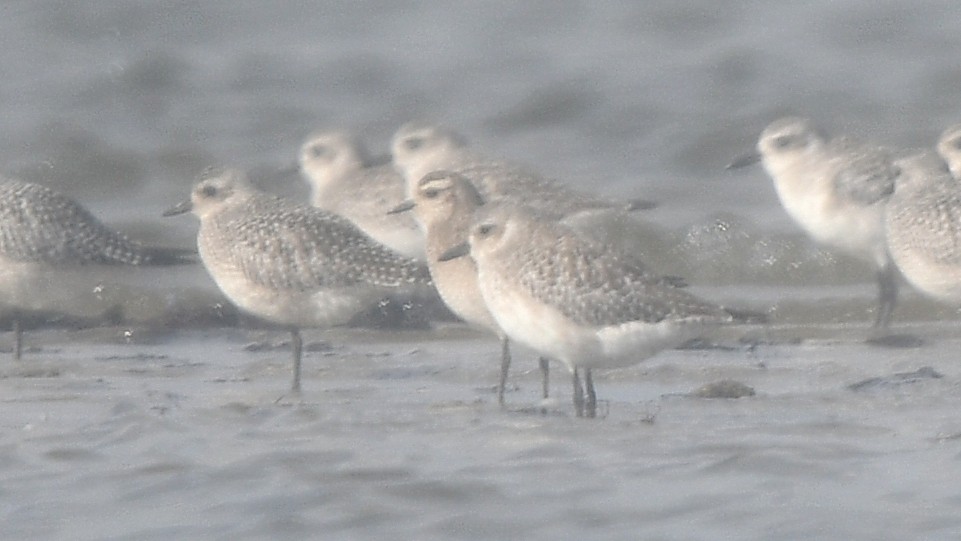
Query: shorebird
pixel 923 223
pixel 444 204
pixel 420 148
pixel 836 190
pixel 574 300
pixel 346 181
pixel 51 248
pixel 287 263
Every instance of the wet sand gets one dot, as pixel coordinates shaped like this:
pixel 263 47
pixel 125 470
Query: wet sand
pixel 190 434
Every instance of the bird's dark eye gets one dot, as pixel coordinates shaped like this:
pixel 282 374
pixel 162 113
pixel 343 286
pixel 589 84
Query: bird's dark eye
pixel 485 229
pixel 783 141
pixel 318 151
pixel 431 193
pixel 208 190
pixel 414 143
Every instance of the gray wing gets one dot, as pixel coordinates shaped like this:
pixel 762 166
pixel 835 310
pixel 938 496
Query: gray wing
pixel 499 179
pixel 598 288
pixel 866 174
pixel 494 179
pixel 298 247
pixel 39 224
pixel 372 193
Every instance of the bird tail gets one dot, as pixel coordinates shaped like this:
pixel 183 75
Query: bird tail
pixel 160 256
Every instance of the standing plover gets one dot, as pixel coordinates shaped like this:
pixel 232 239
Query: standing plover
pixel 444 203
pixel 290 264
pixel 575 300
pixel 835 189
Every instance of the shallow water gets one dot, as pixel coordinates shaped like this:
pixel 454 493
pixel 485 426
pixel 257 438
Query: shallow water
pixel 123 104
pixel 395 436
pixel 148 430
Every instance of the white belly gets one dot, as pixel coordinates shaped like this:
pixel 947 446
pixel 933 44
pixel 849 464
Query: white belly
pixel 854 228
pixel 546 330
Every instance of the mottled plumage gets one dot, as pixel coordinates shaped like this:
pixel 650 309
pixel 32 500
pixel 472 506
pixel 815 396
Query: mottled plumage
pixel 346 181
pixel 288 263
pixel 924 227
pixel 836 190
pixel 51 248
pixel 282 245
pixel 864 174
pixel 575 300
pixel 420 148
pixel 38 224
pixel 591 285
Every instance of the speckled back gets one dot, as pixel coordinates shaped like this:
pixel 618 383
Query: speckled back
pixel 41 225
pixel 586 281
pixel 283 245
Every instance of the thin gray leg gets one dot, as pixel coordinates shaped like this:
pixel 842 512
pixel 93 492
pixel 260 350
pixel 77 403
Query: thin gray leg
pixel 591 405
pixel 17 339
pixel 887 295
pixel 545 374
pixel 578 395
pixel 505 367
pixel 297 344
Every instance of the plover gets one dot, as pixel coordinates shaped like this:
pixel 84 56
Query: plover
pixel 923 223
pixel 420 148
pixel 575 300
pixel 345 180
pixel 444 203
pixel 287 263
pixel 52 248
pixel 835 189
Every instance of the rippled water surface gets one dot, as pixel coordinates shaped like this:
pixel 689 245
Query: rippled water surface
pixel 149 431
pixel 397 436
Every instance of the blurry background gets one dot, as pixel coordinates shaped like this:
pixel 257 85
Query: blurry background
pixel 122 104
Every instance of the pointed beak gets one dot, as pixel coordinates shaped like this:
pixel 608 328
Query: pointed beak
pixel 744 160
pixel 181 208
pixel 289 170
pixel 640 204
pixel 453 253
pixel 403 207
